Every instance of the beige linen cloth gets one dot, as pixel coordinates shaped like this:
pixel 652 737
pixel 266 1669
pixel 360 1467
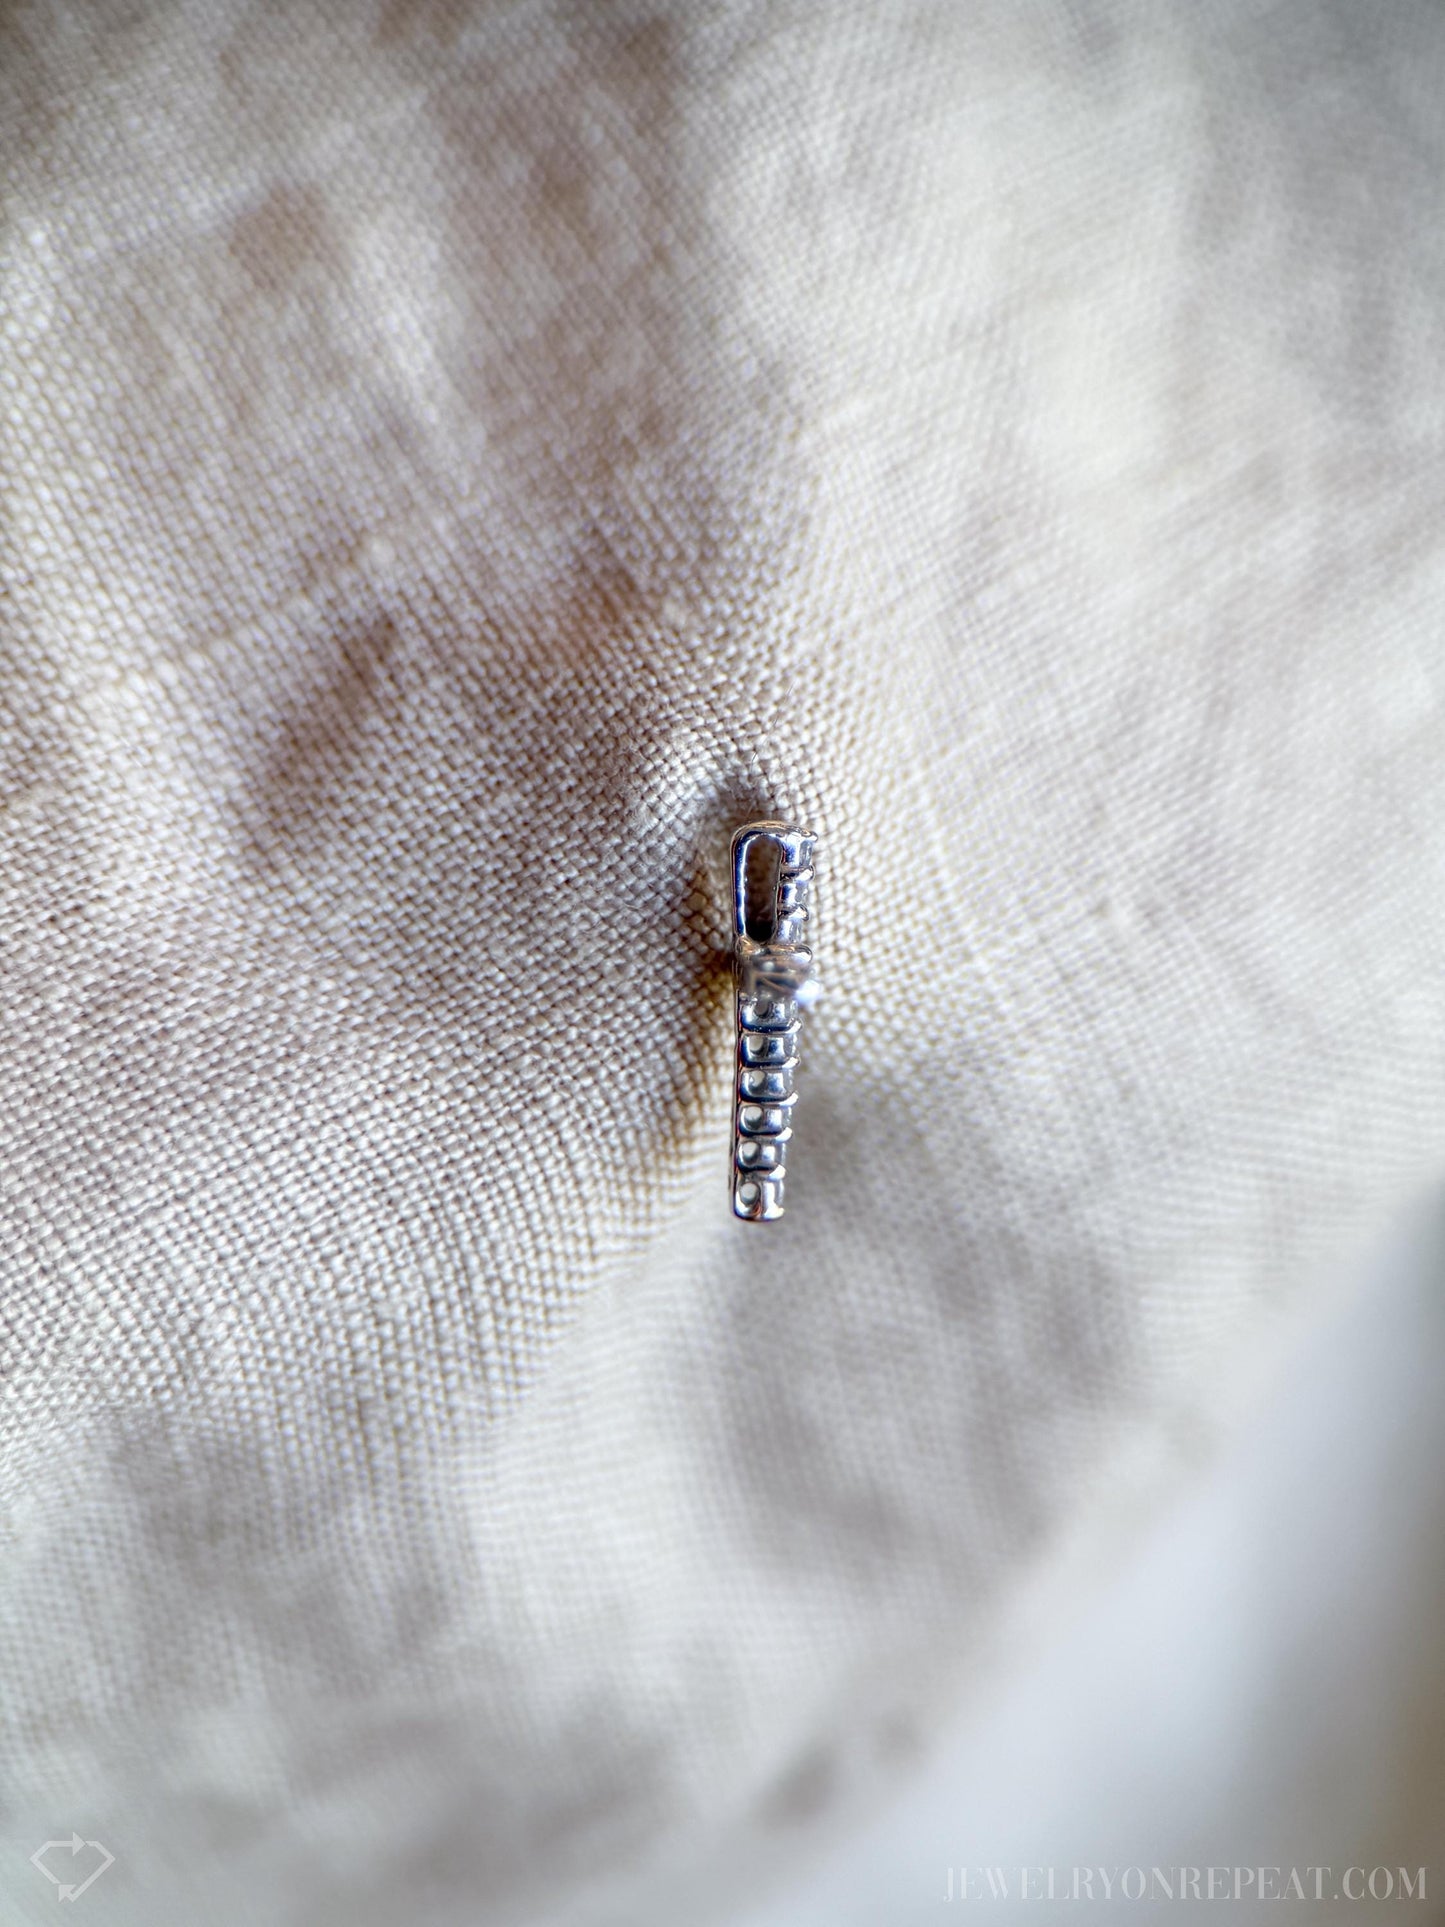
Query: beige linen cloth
pixel 459 462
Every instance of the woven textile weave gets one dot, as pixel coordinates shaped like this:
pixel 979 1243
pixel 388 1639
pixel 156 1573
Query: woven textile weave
pixel 460 462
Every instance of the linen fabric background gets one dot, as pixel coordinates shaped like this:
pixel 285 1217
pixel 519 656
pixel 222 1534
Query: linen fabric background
pixel 460 462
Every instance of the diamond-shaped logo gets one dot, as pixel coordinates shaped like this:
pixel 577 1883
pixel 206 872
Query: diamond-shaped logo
pixel 68 1885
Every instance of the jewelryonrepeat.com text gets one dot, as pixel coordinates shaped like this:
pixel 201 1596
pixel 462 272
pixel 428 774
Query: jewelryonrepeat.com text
pixel 974 1884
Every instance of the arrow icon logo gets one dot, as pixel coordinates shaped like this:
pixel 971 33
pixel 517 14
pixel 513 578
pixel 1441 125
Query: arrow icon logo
pixel 69 1889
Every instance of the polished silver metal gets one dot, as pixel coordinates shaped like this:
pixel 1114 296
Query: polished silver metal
pixel 775 984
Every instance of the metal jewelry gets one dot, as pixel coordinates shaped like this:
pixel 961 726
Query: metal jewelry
pixel 775 984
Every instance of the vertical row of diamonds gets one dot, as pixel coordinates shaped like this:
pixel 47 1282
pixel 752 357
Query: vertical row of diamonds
pixel 768 1030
